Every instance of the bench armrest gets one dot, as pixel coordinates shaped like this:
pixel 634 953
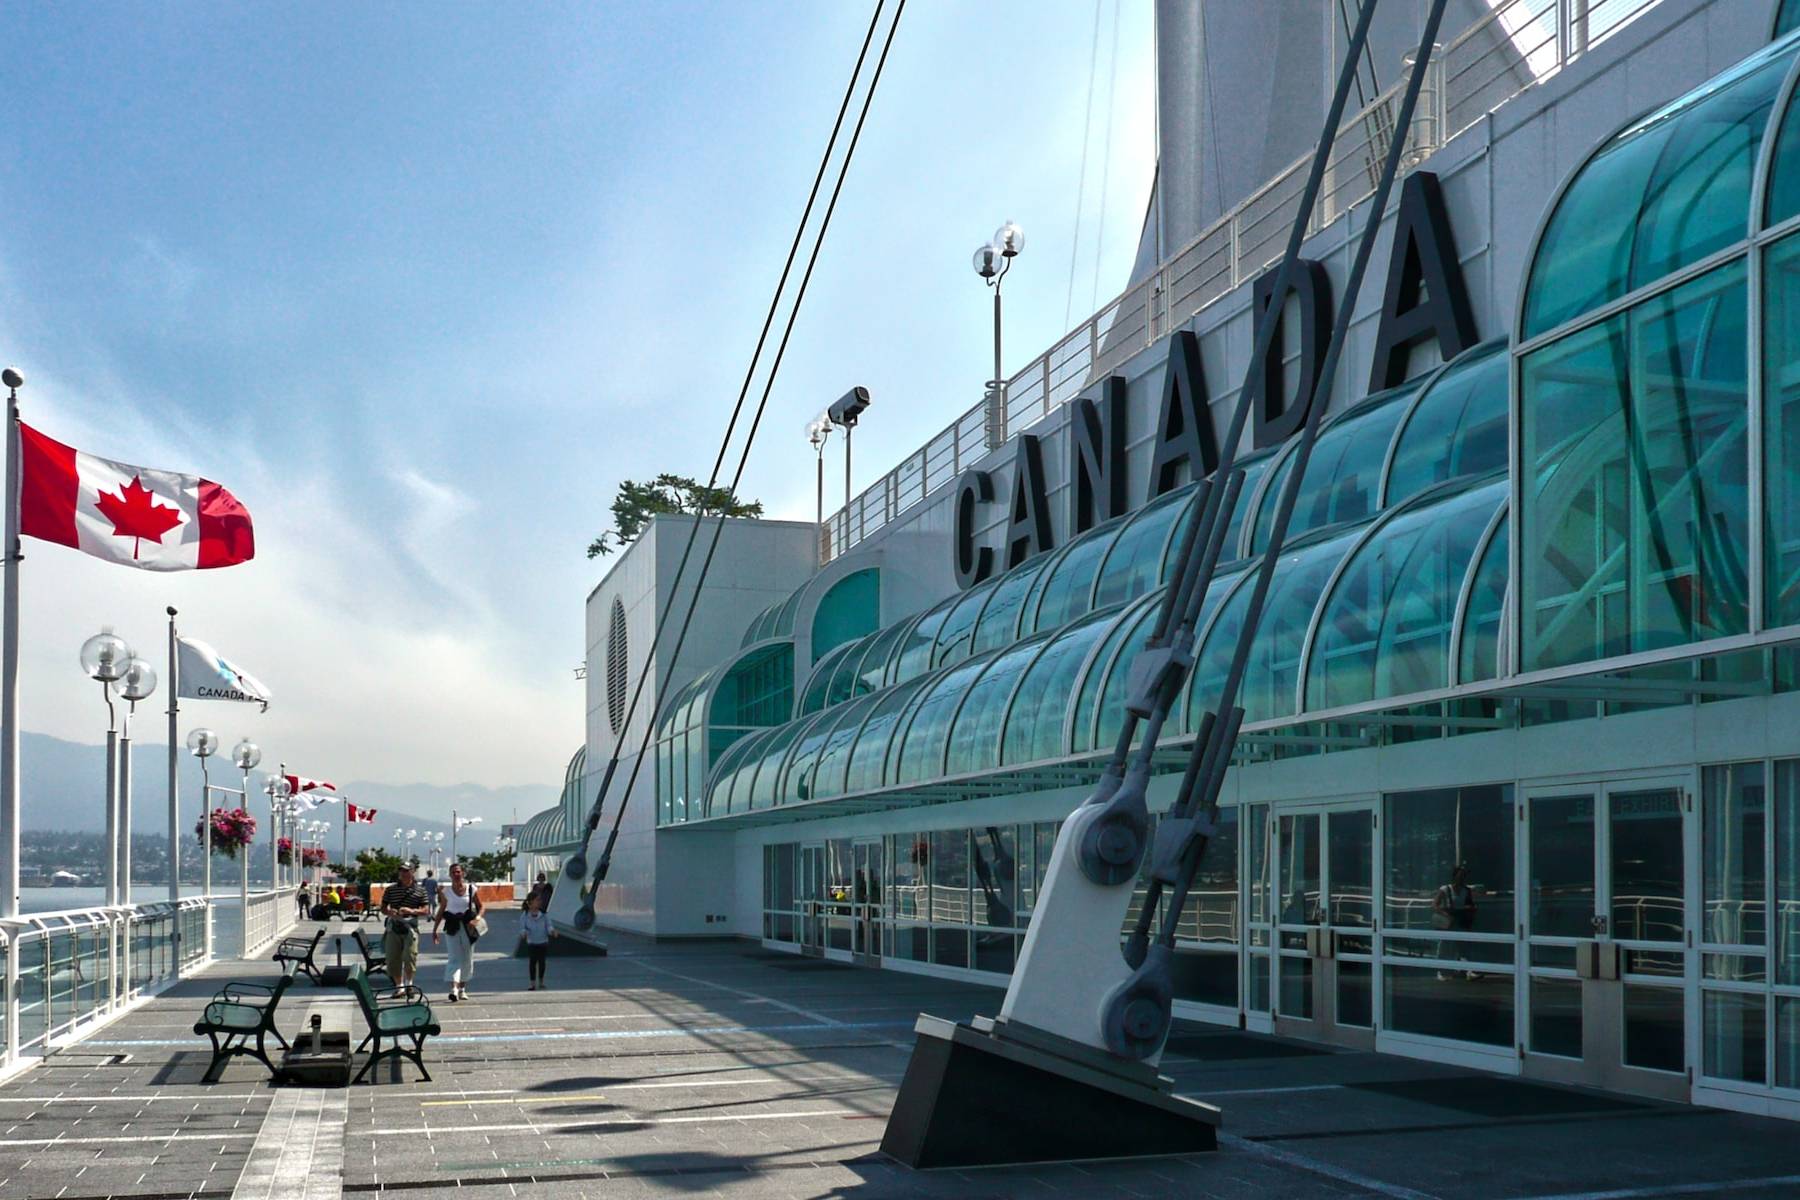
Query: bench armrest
pixel 230 990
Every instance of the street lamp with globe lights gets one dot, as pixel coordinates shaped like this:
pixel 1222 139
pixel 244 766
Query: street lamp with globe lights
pixel 992 262
pixel 104 659
pixel 281 806
pixel 245 755
pixel 818 432
pixel 203 743
pixel 137 683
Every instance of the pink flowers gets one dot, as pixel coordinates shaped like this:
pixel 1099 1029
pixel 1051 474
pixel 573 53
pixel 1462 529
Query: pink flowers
pixel 232 828
pixel 284 847
pixel 312 856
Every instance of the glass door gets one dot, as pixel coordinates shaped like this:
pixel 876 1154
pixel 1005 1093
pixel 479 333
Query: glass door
pixel 866 899
pixel 1324 904
pixel 810 891
pixel 1609 934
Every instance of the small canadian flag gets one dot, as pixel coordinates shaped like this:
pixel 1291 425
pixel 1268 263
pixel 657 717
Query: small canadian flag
pixel 138 516
pixel 300 783
pixel 364 815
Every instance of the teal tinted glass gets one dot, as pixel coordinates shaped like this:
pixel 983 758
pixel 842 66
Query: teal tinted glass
pixel 1385 629
pixel 1087 699
pixel 1212 657
pixel 1271 494
pixel 1781 198
pixel 999 623
pixel 1781 432
pixel 956 637
pixel 1458 427
pixel 1479 657
pixel 975 738
pixel 796 785
pixel 1343 476
pixel 1634 439
pixel 1787 17
pixel 1271 677
pixel 868 758
pixel 1069 589
pixel 1253 469
pixel 1134 564
pixel 1034 727
pixel 868 672
pixel 774 755
pixel 850 609
pixel 783 624
pixel 818 683
pixel 921 752
pixel 912 657
pixel 1666 192
pixel 834 755
pixel 1115 669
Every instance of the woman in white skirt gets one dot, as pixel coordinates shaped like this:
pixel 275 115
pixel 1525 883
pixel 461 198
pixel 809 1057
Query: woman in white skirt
pixel 457 910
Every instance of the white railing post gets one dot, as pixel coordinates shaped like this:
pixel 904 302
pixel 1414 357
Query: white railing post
pixel 12 998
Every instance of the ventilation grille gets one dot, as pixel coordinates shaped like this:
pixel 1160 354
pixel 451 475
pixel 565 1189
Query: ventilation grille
pixel 618 668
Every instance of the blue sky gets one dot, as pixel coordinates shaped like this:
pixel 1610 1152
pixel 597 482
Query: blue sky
pixel 421 284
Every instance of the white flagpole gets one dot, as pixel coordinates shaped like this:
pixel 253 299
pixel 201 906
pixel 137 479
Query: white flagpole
pixel 9 667
pixel 174 767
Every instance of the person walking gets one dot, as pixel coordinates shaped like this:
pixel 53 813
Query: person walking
pixel 535 931
pixel 431 890
pixel 304 900
pixel 458 911
pixel 403 904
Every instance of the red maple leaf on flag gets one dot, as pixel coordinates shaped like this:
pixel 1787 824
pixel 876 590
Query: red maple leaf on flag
pixel 135 514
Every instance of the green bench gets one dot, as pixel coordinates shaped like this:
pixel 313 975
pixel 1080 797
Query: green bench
pixel 374 961
pixel 296 954
pixel 403 1024
pixel 239 1012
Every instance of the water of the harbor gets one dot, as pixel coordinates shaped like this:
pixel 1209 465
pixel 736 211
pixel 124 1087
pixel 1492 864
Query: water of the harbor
pixel 227 924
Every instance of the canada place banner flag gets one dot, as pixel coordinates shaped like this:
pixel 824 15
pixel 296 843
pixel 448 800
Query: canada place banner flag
pixel 156 520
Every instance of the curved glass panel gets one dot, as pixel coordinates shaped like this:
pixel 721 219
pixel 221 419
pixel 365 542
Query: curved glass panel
pixel 868 758
pixel 796 785
pixel 818 684
pixel 1479 657
pixel 1343 476
pixel 1254 468
pixel 975 738
pixel 774 754
pixel 956 636
pixel 1670 189
pixel 1114 669
pixel 1787 17
pixel 1385 628
pixel 1265 504
pixel 912 657
pixel 1069 589
pixel 920 753
pixel 864 671
pixel 999 623
pixel 736 771
pixel 1034 727
pixel 1781 198
pixel 1081 737
pixel 783 625
pixel 1134 564
pixel 1457 428
pixel 834 756
pixel 850 609
pixel 1634 448
pixel 754 692
pixel 1781 433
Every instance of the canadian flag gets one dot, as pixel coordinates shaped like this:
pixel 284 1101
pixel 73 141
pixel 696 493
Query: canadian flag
pixel 138 516
pixel 300 783
pixel 364 815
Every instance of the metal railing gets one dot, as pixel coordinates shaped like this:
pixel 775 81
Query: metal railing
pixel 1518 43
pixel 65 973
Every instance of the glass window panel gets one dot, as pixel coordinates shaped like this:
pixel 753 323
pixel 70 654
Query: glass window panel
pixel 1634 438
pixel 999 622
pixel 1448 1004
pixel 1211 915
pixel 910 892
pixel 1787 1041
pixel 1113 665
pixel 996 863
pixel 1787 872
pixel 975 739
pixel 1458 426
pixel 1479 654
pixel 1735 1035
pixel 1562 866
pixel 912 657
pixel 950 902
pixel 1343 476
pixel 1265 509
pixel 850 609
pixel 1556 1017
pixel 866 672
pixel 1270 685
pixel 1069 588
pixel 1233 548
pixel 1299 859
pixel 1647 865
pixel 1781 422
pixel 920 754
pixel 1350 837
pixel 1296 987
pixel 1256 838
pixel 1205 976
pixel 1355 1002
pixel 1787 17
pixel 1428 836
pixel 834 755
pixel 766 786
pixel 797 777
pixel 1655 1028
pixel 868 758
pixel 1667 191
pixel 956 637
pixel 1134 564
pixel 1734 899
pixel 1034 727
pixel 818 683
pixel 1385 630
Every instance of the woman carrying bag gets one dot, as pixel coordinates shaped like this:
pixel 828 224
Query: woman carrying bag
pixel 459 914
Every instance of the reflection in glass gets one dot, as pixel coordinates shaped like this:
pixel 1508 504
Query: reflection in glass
pixel 1355 1003
pixel 1787 1041
pixel 1430 834
pixel 1556 1017
pixel 1296 988
pixel 1299 871
pixel 1733 804
pixel 1351 836
pixel 1735 1035
pixel 1648 870
pixel 1781 421
pixel 1449 1004
pixel 1256 850
pixel 1655 1028
pixel 1787 871
pixel 1562 866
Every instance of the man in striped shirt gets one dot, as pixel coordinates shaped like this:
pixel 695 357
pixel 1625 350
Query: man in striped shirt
pixel 403 904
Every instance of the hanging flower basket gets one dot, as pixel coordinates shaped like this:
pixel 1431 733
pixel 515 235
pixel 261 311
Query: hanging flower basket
pixel 312 857
pixel 284 849
pixel 232 830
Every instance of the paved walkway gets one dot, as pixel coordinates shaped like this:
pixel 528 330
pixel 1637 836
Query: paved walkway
pixel 721 1069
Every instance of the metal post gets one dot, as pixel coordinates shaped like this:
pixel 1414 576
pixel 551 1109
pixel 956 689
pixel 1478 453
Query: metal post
pixel 174 775
pixel 848 431
pixel 455 827
pixel 206 851
pixel 9 699
pixel 125 807
pixel 244 879
pixel 111 871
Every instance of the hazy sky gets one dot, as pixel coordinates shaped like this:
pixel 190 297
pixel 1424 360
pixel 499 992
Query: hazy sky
pixel 421 284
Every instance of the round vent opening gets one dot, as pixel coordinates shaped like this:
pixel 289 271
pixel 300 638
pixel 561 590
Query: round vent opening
pixel 618 667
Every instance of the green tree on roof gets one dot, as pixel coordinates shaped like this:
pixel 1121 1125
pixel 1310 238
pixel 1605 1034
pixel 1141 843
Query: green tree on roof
pixel 637 503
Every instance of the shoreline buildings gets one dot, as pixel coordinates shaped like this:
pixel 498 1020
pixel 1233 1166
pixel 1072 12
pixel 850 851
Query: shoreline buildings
pixel 1518 785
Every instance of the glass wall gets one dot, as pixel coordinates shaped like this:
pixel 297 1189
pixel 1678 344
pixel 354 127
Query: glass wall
pixel 1781 430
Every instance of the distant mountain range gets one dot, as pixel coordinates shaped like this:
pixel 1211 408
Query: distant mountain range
pixel 63 785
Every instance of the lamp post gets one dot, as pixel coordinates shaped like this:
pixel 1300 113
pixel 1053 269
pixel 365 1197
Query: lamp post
pixel 818 432
pixel 104 658
pixel 245 755
pixel 138 683
pixel 992 262
pixel 203 744
pixel 844 413
pixel 410 835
